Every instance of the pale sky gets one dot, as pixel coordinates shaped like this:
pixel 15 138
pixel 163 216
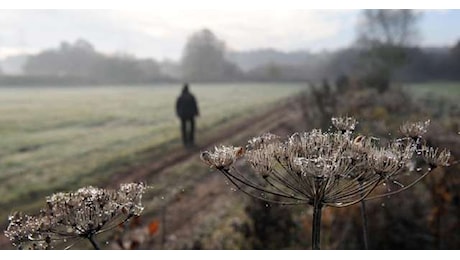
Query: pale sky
pixel 162 33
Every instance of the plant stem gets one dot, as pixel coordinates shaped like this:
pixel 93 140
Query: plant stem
pixel 93 242
pixel 316 225
pixel 163 230
pixel 364 222
pixel 364 219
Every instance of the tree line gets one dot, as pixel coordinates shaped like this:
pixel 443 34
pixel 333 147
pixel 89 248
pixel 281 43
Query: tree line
pixel 384 50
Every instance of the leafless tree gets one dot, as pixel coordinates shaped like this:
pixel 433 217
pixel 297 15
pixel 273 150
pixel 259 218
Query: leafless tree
pixel 204 58
pixel 384 35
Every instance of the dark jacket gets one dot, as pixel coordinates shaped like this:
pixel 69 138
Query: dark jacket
pixel 186 106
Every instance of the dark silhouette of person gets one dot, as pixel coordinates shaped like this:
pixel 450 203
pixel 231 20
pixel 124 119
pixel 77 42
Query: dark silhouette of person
pixel 187 110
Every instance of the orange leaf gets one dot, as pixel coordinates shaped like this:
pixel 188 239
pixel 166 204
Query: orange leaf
pixel 153 227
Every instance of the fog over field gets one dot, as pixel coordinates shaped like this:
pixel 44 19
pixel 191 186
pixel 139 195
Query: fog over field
pixel 230 128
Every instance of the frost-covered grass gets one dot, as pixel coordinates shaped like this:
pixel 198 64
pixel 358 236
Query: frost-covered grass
pixel 57 139
pixel 448 90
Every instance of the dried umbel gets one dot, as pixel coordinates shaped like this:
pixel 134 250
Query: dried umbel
pixel 308 167
pixel 316 168
pixel 435 157
pixel 222 157
pixel 70 217
pixel 263 140
pixel 390 160
pixel 344 123
pixel 415 129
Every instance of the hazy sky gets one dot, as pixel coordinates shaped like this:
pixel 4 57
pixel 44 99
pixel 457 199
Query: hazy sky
pixel 162 33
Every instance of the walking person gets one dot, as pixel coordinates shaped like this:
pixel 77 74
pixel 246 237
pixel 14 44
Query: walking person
pixel 187 110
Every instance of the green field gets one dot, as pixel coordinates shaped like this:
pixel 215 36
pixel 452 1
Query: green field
pixel 447 90
pixel 62 138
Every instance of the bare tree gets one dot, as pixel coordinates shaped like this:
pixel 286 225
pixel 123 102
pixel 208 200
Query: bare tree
pixel 384 35
pixel 204 58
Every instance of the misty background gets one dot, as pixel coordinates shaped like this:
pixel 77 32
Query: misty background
pixel 66 47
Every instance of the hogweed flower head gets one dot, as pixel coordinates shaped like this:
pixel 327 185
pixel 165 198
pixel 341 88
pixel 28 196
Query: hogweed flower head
pixel 298 168
pixel 263 140
pixel 324 167
pixel 336 168
pixel 321 169
pixel 414 129
pixel 344 124
pixel 434 157
pixel 81 214
pixel 384 162
pixel 23 228
pixel 262 159
pixel 222 157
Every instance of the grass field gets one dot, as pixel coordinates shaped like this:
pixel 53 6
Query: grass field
pixel 448 90
pixel 62 138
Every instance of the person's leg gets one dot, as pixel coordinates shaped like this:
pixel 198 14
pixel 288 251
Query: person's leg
pixel 187 132
pixel 183 130
pixel 192 131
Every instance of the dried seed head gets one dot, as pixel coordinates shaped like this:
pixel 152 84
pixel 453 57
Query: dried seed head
pixel 265 158
pixel 344 123
pixel 385 162
pixel 222 157
pixel 130 195
pixel 207 158
pixel 334 167
pixel 294 145
pixel 263 140
pixel 414 129
pixel 260 161
pixel 434 157
pixel 323 167
pixel 76 214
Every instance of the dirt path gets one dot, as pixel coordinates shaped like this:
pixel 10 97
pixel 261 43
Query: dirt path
pixel 274 119
pixel 187 216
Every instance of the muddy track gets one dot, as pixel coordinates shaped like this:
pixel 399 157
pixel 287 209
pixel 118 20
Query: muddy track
pixel 273 118
pixel 187 215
